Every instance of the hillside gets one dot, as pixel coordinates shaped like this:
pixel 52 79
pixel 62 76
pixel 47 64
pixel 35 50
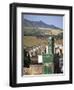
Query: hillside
pixel 30 41
pixel 39 28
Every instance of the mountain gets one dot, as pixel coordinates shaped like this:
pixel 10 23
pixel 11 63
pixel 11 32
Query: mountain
pixel 39 28
pixel 29 23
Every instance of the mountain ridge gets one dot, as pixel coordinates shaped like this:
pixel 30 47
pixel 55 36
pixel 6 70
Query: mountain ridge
pixel 36 24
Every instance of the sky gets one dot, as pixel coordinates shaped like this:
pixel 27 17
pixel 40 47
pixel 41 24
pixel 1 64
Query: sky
pixel 55 20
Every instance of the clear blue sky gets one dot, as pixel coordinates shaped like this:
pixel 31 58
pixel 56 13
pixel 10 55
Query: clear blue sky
pixel 48 19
